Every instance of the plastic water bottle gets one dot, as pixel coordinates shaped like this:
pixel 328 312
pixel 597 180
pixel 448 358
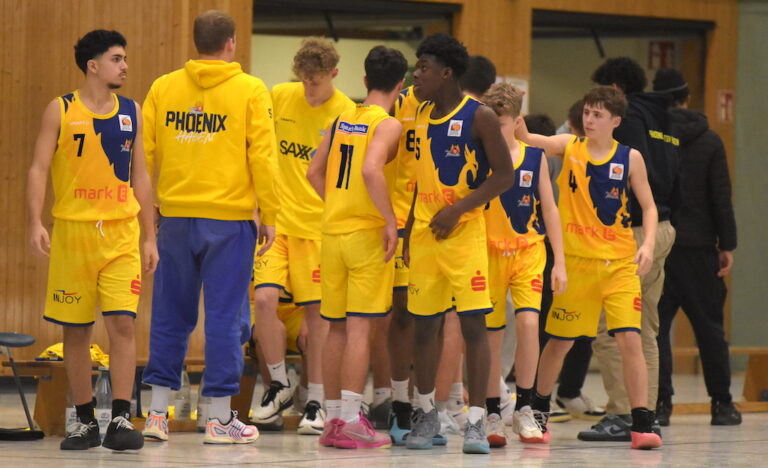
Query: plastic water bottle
pixel 70 415
pixel 183 400
pixel 103 394
pixel 203 408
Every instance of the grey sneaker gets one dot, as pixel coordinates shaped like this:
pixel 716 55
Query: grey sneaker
pixel 475 440
pixel 612 428
pixel 424 428
pixel 379 415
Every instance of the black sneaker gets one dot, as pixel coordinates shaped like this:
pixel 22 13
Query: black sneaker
pixel 399 422
pixel 379 415
pixel 122 436
pixel 81 436
pixel 725 414
pixel 663 412
pixel 612 428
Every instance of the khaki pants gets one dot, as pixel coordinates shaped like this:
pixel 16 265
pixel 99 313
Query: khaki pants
pixel 605 348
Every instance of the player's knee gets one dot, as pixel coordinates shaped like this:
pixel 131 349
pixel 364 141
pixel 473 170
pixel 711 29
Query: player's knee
pixel 265 301
pixel 559 347
pixel 473 328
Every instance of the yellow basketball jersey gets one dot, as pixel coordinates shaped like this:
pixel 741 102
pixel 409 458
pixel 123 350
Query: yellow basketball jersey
pixel 299 128
pixel 348 206
pixel 405 180
pixel 91 168
pixel 449 165
pixel 513 219
pixel 594 203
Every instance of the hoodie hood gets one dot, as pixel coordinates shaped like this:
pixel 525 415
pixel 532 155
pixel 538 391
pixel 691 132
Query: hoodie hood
pixel 209 73
pixel 689 124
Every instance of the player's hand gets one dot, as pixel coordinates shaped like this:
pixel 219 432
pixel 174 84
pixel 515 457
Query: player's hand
pixel 390 241
pixel 726 262
pixel 39 240
pixel 559 279
pixel 150 256
pixel 266 238
pixel 444 222
pixel 644 259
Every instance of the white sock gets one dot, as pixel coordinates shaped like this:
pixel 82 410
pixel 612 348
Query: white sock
pixel 221 409
pixel 315 392
pixel 505 394
pixel 400 388
pixel 350 406
pixel 160 398
pixel 380 395
pixel 475 414
pixel 277 372
pixel 442 406
pixel 456 397
pixel 426 401
pixel 333 409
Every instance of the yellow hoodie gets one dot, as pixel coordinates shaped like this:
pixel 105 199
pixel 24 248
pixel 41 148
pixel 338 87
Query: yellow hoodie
pixel 209 141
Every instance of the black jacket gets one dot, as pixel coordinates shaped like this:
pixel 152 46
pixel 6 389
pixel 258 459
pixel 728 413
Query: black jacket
pixel 647 128
pixel 706 217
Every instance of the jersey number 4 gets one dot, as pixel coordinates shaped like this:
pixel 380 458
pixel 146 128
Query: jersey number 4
pixel 345 167
pixel 572 181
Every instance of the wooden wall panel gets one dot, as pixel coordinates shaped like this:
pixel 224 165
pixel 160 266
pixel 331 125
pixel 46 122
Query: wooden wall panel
pixel 37 64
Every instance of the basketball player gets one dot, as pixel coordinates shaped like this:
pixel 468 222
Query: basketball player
pixel 602 258
pixel 302 111
pixel 91 141
pixel 350 172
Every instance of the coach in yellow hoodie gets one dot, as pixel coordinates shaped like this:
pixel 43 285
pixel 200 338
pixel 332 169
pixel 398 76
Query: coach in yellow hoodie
pixel 210 147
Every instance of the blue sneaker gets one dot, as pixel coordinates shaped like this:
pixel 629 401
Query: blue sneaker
pixel 475 440
pixel 399 422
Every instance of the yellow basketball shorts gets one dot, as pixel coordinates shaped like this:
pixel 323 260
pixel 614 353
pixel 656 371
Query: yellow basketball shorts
pixel 519 272
pixel 449 272
pixel 292 317
pixel 291 264
pixel 594 285
pixel 92 263
pixel 356 281
pixel 401 270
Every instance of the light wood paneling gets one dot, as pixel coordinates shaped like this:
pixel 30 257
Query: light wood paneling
pixel 37 64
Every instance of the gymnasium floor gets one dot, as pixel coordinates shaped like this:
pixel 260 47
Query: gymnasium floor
pixel 689 442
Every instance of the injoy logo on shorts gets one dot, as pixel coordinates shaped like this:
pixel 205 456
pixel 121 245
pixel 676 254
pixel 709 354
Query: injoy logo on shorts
pixel 63 297
pixel 558 313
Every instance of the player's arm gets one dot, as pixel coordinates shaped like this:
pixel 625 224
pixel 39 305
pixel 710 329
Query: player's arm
pixel 319 164
pixel 381 150
pixel 638 182
pixel 142 190
pixel 37 178
pixel 261 152
pixel 551 217
pixel 486 129
pixel 149 139
pixel 408 228
pixel 553 145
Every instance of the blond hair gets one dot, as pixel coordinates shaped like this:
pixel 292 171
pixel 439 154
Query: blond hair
pixel 504 99
pixel 316 55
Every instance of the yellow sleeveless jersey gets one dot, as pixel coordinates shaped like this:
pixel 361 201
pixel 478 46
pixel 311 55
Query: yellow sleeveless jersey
pixel 513 219
pixel 594 203
pixel 348 206
pixel 449 164
pixel 405 180
pixel 91 168
pixel 299 128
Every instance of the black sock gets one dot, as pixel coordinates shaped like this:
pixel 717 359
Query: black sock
pixel 493 405
pixel 524 396
pixel 642 420
pixel 121 408
pixel 541 402
pixel 85 413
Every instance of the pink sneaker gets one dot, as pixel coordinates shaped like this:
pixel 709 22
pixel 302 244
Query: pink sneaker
pixel 645 440
pixel 361 435
pixel 331 432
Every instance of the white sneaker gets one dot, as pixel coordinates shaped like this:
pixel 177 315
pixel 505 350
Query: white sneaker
pixel 557 414
pixel 494 431
pixel 581 407
pixel 525 425
pixel 276 399
pixel 234 432
pixel 448 424
pixel 156 426
pixel 313 420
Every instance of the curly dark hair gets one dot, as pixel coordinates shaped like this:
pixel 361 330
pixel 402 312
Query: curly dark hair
pixel 480 75
pixel 623 72
pixel 447 50
pixel 384 68
pixel 540 123
pixel 94 44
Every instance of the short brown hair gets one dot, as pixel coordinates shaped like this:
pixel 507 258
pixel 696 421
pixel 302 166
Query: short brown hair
pixel 316 55
pixel 504 99
pixel 211 31
pixel 608 97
